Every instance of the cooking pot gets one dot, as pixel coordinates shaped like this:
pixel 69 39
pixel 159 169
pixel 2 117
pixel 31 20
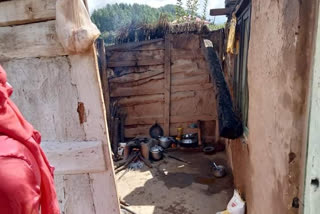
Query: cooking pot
pixel 165 142
pixel 156 153
pixel 219 171
pixel 191 142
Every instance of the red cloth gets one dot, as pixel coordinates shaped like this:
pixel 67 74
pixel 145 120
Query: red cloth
pixel 14 126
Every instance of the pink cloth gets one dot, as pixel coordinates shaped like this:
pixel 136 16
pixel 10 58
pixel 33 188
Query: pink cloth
pixel 22 159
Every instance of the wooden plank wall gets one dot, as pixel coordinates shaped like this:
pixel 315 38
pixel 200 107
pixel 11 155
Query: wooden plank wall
pixel 164 81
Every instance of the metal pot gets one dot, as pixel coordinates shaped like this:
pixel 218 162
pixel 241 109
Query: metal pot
pixel 156 152
pixel 189 142
pixel 188 136
pixel 165 142
pixel 219 171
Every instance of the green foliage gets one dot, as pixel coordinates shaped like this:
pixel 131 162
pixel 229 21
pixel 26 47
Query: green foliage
pixel 180 12
pixel 213 26
pixel 204 11
pixel 115 17
pixel 192 7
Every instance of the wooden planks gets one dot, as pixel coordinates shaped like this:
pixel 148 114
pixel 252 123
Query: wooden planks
pixel 32 40
pixel 17 12
pixel 145 45
pixel 176 94
pixel 173 119
pixel 191 87
pixel 84 72
pixel 135 77
pixel 167 85
pixel 75 157
pixel 133 55
pixel 74 193
pixel 127 63
pixel 100 185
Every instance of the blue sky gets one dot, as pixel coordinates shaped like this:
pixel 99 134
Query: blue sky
pixel 94 4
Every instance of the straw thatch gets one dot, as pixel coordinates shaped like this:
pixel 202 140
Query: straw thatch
pixel 142 32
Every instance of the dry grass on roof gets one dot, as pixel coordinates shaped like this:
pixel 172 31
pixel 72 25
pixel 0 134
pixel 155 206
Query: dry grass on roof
pixel 143 32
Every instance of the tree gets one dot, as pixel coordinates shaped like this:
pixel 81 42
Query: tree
pixel 192 7
pixel 205 7
pixel 180 13
pixel 112 18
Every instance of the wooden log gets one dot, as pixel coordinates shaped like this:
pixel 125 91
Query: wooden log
pixel 219 12
pixel 103 76
pixel 167 84
pixel 18 12
pixel 32 40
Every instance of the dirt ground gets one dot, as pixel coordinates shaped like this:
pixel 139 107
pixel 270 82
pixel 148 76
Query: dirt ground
pixel 173 187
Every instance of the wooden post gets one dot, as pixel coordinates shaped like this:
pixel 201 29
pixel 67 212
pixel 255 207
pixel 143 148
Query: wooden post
pixel 104 76
pixel 167 84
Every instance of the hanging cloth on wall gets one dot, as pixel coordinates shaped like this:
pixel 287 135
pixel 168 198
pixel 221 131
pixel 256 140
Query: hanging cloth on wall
pixel 230 126
pixel 231 36
pixel 74 28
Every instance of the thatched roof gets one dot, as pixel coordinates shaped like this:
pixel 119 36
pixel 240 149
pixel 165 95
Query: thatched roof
pixel 136 33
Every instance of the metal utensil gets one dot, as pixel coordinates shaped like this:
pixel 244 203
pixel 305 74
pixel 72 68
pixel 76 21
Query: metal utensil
pixel 219 171
pixel 156 153
pixel 165 142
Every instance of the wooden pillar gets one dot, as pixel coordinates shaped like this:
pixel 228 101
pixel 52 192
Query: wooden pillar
pixel 167 84
pixel 104 75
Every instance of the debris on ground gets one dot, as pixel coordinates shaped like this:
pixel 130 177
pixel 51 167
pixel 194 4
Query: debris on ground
pixel 235 206
pixel 136 165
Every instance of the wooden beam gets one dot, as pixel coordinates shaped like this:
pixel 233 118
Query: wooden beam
pixel 19 12
pixel 133 45
pixel 219 12
pixel 125 92
pixel 167 83
pixel 132 77
pixel 32 40
pixel 104 77
pixel 174 119
pixel 75 157
pixel 193 118
pixel 131 63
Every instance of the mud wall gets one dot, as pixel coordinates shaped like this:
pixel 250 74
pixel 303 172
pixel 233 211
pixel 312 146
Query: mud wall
pixel 269 167
pixel 148 77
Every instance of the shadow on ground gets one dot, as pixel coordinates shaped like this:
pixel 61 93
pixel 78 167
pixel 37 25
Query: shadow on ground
pixel 173 187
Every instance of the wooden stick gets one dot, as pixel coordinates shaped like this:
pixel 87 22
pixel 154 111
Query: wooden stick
pixel 125 208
